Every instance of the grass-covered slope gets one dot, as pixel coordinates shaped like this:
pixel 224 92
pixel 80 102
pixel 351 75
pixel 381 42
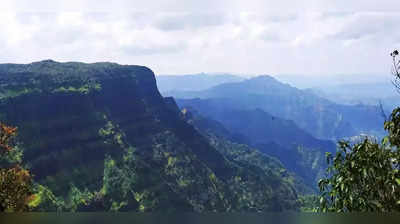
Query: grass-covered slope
pixel 101 137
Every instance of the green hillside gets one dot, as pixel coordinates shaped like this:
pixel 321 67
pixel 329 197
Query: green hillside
pixel 100 137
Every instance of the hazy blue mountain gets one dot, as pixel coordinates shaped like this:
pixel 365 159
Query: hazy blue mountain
pixel 256 125
pixel 193 82
pixel 318 116
pixel 239 149
pixel 369 94
pixel 352 89
pixel 299 151
pixel 303 81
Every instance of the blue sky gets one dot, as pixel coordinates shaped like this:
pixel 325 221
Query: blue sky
pixel 177 37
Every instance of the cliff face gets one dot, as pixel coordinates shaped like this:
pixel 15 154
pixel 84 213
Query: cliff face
pixel 101 137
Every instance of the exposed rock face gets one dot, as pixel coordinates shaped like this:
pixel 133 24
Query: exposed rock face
pixel 102 133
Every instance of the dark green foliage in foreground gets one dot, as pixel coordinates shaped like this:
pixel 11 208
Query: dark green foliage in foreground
pixel 15 181
pixel 308 203
pixel 364 176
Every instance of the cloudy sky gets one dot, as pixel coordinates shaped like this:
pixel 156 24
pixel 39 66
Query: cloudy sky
pixel 315 37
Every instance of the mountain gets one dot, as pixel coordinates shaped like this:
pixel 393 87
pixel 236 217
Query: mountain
pixel 365 93
pixel 300 152
pixel 237 146
pixel 195 82
pixel 318 116
pixel 257 126
pixel 100 137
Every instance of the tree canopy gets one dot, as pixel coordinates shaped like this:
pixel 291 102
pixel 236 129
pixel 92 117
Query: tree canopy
pixel 15 181
pixel 364 176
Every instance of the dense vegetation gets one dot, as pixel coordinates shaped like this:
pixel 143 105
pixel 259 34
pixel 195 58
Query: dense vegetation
pixel 16 189
pixel 100 137
pixel 228 144
pixel 299 151
pixel 364 176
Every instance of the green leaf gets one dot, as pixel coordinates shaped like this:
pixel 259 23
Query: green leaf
pixel 365 172
pixel 379 205
pixel 385 140
pixel 398 181
pixel 321 200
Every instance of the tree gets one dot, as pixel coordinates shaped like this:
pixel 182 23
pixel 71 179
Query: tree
pixel 396 69
pixel 362 177
pixel 365 176
pixel 15 182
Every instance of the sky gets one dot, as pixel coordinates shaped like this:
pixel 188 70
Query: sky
pixel 312 38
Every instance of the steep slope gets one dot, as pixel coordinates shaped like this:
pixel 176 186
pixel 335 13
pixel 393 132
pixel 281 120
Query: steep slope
pixel 101 137
pixel 320 117
pixel 236 147
pixel 299 151
pixel 256 125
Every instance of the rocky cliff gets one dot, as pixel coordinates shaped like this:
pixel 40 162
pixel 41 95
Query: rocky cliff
pixel 101 137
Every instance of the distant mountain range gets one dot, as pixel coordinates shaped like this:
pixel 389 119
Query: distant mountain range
pixel 255 126
pixel 193 82
pixel 299 151
pixel 369 94
pixel 318 116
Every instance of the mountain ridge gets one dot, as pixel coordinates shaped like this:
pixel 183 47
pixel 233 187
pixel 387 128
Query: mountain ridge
pixel 100 137
pixel 320 117
pixel 299 151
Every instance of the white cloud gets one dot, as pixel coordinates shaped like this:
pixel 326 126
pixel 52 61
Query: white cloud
pixel 181 21
pixel 312 37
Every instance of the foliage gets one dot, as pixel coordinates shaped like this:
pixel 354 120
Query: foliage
pixel 84 89
pixel 78 198
pixel 45 200
pixel 300 152
pixel 15 189
pixel 308 203
pixel 140 157
pixel 396 69
pixel 15 182
pixel 272 180
pixel 6 135
pixel 257 129
pixel 13 156
pixel 364 176
pixel 119 180
pixel 393 127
